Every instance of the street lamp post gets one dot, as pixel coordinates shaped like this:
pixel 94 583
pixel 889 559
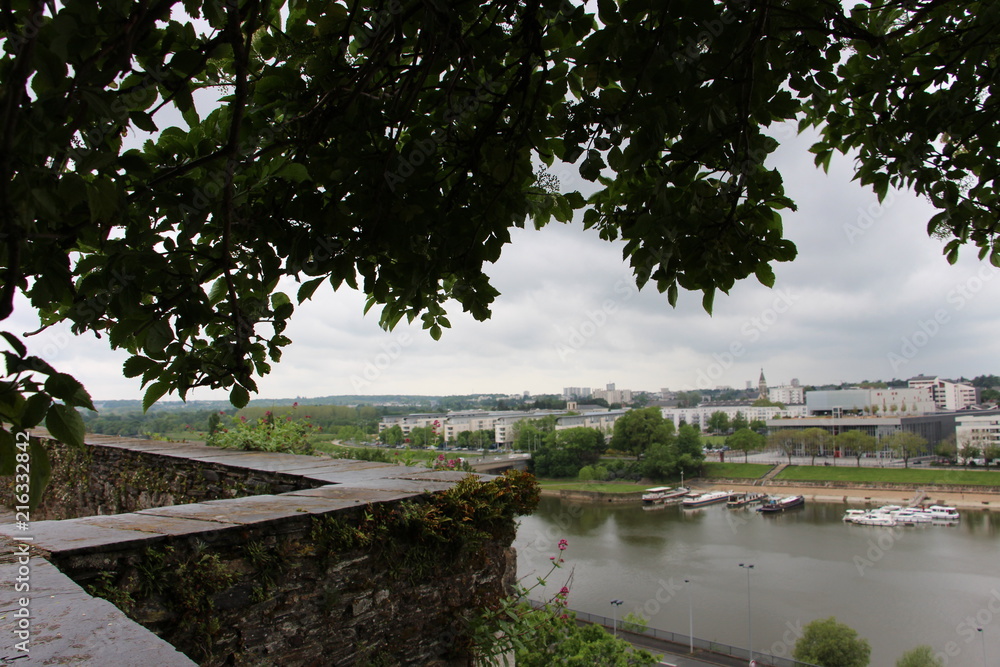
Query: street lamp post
pixel 614 610
pixel 690 616
pixel 982 634
pixel 748 567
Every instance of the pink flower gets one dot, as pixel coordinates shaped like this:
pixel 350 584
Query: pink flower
pixel 564 591
pixel 563 544
pixel 295 404
pixel 267 414
pixel 243 419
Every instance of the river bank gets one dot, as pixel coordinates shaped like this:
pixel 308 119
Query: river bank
pixel 968 500
pixel 833 493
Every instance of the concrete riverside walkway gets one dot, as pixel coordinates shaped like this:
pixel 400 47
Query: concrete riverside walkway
pixel 46 618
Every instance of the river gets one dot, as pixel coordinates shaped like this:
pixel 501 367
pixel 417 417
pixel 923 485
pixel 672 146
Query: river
pixel 898 587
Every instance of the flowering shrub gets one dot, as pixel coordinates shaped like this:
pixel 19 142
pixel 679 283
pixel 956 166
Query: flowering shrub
pixel 442 463
pixel 266 434
pixel 539 636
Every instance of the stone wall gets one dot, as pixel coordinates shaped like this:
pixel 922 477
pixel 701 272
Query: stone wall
pixel 361 564
pixel 118 475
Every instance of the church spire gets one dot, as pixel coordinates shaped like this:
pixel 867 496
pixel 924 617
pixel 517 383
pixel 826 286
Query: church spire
pixel 762 386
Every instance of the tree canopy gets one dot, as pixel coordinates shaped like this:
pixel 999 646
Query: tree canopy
pixel 638 430
pixel 177 176
pixel 830 643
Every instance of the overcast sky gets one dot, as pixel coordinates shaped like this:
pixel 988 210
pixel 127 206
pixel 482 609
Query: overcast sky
pixel 869 297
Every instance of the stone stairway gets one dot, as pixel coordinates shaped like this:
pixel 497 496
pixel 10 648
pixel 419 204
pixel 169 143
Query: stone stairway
pixel 770 475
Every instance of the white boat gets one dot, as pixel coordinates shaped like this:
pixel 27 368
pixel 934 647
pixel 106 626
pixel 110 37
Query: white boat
pixel 658 494
pixel 909 516
pixel 707 499
pixel 943 513
pixel 874 519
pixel 851 515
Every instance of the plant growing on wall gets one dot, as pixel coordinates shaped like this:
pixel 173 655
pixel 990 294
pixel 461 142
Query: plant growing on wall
pixel 267 434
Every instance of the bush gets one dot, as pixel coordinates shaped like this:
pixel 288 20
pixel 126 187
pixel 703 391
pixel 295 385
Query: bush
pixel 267 434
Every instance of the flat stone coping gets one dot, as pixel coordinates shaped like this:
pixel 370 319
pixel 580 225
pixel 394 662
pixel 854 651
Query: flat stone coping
pixel 69 626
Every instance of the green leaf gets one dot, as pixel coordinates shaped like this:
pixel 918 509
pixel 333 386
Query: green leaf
pixel 15 343
pixel 41 473
pixel 153 393
pixel 239 396
pixel 136 366
pixel 708 300
pixel 294 172
pixel 143 121
pixel 68 389
pixel 65 424
pixel 765 274
pixel 34 410
pixel 308 288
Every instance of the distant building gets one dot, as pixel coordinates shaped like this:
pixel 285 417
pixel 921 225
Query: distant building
pixel 979 430
pixel 762 387
pixel 889 402
pixel 787 394
pixel 698 416
pixel 578 392
pixel 612 395
pixel 947 395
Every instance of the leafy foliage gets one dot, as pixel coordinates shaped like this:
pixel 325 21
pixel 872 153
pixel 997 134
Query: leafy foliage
pixel 746 441
pixel 547 634
pixel 267 434
pixel 638 430
pixel 831 644
pixel 392 150
pixel 921 656
pixel 565 452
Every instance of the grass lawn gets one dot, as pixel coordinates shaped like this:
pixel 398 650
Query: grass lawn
pixel 603 487
pixel 736 470
pixel 889 475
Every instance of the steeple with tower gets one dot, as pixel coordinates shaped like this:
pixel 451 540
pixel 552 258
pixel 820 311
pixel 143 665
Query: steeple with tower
pixel 762 386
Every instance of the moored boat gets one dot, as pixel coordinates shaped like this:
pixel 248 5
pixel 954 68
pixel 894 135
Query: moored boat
pixel 782 504
pixel 851 515
pixel 744 499
pixel 943 513
pixel 658 494
pixel 874 519
pixel 709 498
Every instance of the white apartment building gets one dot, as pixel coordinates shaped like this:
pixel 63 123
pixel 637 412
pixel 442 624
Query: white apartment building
pixel 612 395
pixel 698 416
pixel 787 394
pixel 947 395
pixel 977 430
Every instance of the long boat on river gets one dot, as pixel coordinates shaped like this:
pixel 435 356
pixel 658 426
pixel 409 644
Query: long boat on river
pixel 660 494
pixel 781 504
pixel 745 499
pixel 709 498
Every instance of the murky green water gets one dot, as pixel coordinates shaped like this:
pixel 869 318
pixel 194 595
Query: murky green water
pixel 898 587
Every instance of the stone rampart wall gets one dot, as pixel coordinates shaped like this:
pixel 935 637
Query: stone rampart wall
pixel 337 563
